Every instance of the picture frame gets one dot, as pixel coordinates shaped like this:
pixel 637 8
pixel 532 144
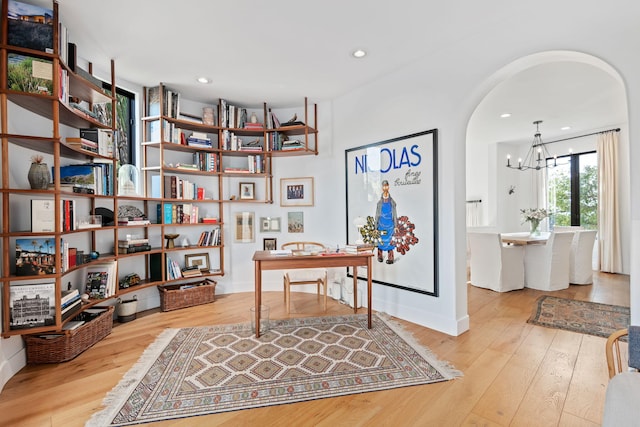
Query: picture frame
pixel 382 180
pixel 296 191
pixel 295 222
pixel 269 224
pixel 247 191
pixel 201 260
pixel 269 244
pixel 244 227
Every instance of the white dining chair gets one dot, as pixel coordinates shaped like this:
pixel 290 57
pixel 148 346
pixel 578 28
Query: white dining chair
pixel 581 257
pixel 546 267
pixel 493 265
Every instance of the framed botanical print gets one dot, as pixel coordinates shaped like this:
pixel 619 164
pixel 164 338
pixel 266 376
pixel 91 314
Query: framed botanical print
pixel 392 203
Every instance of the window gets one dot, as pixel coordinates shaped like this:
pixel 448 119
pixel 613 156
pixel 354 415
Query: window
pixel 573 190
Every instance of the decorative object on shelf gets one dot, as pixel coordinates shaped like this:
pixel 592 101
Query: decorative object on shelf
pixel 208 116
pixel 38 175
pixel 296 191
pixel 198 260
pixel 537 155
pixel 534 217
pixel 253 118
pixel 247 191
pixel 170 240
pixel 128 180
pixel 126 309
pixel 130 211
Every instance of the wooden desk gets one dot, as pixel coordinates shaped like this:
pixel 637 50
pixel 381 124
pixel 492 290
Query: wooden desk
pixel 524 239
pixel 264 260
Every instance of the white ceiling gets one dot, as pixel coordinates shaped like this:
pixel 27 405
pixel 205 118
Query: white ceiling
pixel 279 51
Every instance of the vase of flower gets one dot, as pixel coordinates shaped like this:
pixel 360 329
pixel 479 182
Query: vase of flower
pixel 534 217
pixel 38 175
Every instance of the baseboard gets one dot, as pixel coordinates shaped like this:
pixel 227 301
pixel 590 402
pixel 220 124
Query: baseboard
pixel 10 366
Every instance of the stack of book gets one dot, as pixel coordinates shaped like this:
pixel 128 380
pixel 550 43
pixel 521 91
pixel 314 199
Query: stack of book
pixel 359 248
pixel 130 246
pixel 70 303
pixel 199 139
pixel 192 271
pixel 133 220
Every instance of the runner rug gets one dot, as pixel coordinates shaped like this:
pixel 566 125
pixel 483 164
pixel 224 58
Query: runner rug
pixel 207 370
pixel 585 317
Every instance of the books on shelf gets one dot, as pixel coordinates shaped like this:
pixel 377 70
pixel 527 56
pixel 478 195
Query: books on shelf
pixel 192 271
pixel 210 238
pixel 69 297
pixel 102 138
pixel 30 26
pixel 29 74
pixel 173 269
pixel 31 305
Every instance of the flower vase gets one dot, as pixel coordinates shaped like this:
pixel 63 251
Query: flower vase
pixel 39 176
pixel 535 228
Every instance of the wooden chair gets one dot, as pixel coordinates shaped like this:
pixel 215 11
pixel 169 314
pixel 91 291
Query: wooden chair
pixel 614 356
pixel 304 276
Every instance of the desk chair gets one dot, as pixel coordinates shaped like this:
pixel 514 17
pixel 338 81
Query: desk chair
pixel 304 276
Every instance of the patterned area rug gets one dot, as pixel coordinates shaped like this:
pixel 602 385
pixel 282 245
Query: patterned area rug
pixel 207 370
pixel 585 317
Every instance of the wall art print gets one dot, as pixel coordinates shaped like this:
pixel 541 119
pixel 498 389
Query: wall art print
pixel 392 203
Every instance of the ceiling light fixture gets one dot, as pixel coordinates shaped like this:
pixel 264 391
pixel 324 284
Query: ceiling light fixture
pixel 565 128
pixel 537 155
pixel 204 80
pixel 359 53
pixel 505 115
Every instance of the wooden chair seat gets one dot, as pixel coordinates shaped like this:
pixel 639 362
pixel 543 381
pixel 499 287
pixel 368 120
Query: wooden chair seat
pixel 304 276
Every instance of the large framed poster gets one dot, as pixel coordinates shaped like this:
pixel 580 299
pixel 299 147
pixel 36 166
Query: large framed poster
pixel 392 203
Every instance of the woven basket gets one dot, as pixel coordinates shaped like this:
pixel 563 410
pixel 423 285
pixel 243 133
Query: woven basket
pixel 71 343
pixel 173 298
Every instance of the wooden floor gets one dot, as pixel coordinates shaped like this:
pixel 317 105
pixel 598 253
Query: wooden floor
pixel 515 373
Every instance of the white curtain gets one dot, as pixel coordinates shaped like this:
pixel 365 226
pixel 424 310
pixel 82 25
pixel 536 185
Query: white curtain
pixel 608 207
pixel 474 213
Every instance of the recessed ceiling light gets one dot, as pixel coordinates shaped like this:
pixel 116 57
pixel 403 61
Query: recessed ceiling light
pixel 565 128
pixel 204 80
pixel 359 53
pixel 505 115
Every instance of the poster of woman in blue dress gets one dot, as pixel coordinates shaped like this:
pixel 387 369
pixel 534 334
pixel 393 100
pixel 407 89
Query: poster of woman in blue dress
pixel 386 220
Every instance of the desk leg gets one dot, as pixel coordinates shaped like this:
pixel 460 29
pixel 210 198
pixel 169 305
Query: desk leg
pixel 355 289
pixel 258 292
pixel 369 267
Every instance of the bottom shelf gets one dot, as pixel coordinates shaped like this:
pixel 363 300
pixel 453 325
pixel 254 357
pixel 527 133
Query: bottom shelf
pixel 62 347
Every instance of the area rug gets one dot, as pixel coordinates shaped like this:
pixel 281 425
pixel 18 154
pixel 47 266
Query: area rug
pixel 207 370
pixel 585 317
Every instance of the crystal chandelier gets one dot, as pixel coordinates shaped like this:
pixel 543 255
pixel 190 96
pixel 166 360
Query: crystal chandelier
pixel 537 155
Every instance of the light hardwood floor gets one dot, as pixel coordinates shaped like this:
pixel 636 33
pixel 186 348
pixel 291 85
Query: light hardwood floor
pixel 515 373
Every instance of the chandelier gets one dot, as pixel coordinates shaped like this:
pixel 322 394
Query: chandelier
pixel 537 155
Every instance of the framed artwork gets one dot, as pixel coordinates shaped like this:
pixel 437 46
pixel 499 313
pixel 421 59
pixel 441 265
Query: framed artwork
pixel 269 244
pixel 295 222
pixel 244 227
pixel 247 191
pixel 392 203
pixel 269 223
pixel 201 260
pixel 296 191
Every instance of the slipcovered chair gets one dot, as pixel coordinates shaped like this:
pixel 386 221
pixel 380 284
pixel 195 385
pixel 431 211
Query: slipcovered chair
pixel 546 266
pixel 304 276
pixel 581 257
pixel 493 265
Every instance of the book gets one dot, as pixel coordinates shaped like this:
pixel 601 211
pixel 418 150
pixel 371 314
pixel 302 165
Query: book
pixel 72 325
pixel 31 305
pixel 100 281
pixel 43 216
pixel 35 256
pixel 68 296
pixel 30 26
pixel 29 74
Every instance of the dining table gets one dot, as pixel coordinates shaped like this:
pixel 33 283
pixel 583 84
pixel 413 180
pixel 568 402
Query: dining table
pixel 524 238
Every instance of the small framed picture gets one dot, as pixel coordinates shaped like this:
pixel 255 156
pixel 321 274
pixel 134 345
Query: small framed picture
pixel 200 260
pixel 269 224
pixel 244 227
pixel 296 191
pixel 247 191
pixel 295 222
pixel 269 244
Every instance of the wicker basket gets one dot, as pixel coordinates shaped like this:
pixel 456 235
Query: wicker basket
pixel 72 343
pixel 173 298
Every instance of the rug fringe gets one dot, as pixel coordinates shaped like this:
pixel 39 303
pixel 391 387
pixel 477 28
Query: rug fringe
pixel 130 380
pixel 445 368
